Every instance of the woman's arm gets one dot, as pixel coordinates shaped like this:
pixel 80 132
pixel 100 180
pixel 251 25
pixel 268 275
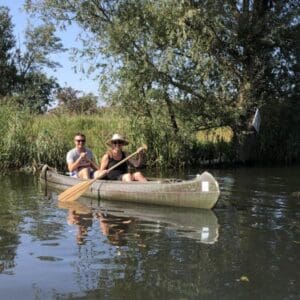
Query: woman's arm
pixel 104 162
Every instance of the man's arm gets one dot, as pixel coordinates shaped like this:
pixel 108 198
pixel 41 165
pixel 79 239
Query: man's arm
pixel 81 162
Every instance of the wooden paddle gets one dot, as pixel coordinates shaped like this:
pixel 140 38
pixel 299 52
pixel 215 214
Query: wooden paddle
pixel 74 192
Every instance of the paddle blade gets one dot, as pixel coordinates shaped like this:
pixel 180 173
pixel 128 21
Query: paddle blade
pixel 74 192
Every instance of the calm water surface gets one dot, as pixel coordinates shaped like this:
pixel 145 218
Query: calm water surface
pixel 248 247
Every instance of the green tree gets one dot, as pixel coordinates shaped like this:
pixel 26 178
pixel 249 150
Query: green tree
pixel 204 63
pixel 22 78
pixel 40 43
pixel 35 91
pixel 7 43
pixel 70 101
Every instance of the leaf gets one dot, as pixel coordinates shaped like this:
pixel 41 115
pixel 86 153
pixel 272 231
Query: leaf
pixel 243 278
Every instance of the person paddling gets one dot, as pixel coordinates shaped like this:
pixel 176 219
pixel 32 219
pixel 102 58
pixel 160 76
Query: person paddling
pixel 80 159
pixel 116 154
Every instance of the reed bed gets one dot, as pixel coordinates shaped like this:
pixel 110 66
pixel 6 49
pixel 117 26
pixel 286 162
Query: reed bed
pixel 32 140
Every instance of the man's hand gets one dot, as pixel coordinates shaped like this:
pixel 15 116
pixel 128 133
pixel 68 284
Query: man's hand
pixel 83 156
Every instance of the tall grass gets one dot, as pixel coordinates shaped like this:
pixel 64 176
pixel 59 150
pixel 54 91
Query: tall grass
pixel 29 140
pixel 15 146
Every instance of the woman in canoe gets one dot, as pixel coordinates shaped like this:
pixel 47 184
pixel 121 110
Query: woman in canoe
pixel 114 155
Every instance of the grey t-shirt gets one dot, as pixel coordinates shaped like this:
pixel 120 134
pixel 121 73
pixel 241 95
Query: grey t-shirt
pixel 74 154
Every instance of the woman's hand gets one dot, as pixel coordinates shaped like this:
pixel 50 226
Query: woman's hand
pixel 142 149
pixel 100 174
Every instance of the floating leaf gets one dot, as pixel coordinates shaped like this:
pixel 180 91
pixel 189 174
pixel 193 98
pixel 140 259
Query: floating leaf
pixel 244 278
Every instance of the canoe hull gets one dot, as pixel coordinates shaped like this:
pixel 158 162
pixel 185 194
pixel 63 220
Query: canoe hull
pixel 201 192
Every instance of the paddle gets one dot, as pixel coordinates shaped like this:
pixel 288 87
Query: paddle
pixel 74 192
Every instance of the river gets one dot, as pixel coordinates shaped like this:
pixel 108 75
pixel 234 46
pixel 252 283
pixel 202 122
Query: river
pixel 247 247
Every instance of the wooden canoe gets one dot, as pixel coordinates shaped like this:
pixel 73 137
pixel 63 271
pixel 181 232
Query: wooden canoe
pixel 199 192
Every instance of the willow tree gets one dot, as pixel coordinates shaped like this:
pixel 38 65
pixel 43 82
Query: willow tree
pixel 194 64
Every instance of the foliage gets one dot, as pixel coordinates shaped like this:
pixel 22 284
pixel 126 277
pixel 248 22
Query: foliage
pixel 29 140
pixel 69 101
pixel 7 43
pixel 280 136
pixel 15 146
pixel 205 63
pixel 37 139
pixel 40 43
pixel 22 80
pixel 35 92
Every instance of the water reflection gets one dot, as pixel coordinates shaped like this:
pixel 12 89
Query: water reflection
pixel 102 250
pixel 118 220
pixel 259 188
pixel 115 228
pixel 83 219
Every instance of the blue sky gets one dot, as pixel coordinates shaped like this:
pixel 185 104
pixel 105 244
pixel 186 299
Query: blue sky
pixel 65 75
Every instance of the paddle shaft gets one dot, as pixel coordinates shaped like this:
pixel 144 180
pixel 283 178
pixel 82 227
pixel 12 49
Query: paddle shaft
pixel 121 162
pixel 116 165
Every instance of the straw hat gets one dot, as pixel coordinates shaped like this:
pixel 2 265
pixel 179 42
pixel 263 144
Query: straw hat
pixel 117 137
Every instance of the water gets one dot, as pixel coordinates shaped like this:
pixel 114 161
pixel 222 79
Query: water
pixel 248 247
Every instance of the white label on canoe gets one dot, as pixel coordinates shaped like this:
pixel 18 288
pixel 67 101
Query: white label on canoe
pixel 205 233
pixel 205 186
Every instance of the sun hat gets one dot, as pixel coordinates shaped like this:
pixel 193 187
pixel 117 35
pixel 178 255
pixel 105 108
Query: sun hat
pixel 117 137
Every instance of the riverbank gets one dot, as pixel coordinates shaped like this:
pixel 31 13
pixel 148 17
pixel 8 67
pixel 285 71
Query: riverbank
pixel 28 141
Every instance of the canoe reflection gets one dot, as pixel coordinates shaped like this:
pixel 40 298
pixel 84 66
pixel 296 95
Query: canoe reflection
pixel 118 219
pixel 113 227
pixel 197 224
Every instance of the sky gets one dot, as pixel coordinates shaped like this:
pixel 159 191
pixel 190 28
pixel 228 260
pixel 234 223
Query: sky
pixel 65 75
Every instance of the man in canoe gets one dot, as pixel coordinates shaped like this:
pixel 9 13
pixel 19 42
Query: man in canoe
pixel 80 159
pixel 116 154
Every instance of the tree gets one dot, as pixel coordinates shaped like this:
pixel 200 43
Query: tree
pixel 7 43
pixel 204 63
pixel 33 88
pixel 69 100
pixel 40 43
pixel 22 81
pixel 35 91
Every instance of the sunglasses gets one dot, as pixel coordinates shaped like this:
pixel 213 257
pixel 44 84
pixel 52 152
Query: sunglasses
pixel 80 141
pixel 118 142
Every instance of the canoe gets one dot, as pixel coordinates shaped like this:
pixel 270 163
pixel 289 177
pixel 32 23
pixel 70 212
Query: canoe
pixel 200 225
pixel 200 192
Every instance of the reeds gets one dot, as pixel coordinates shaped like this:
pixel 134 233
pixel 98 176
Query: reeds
pixel 30 140
pixel 33 140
